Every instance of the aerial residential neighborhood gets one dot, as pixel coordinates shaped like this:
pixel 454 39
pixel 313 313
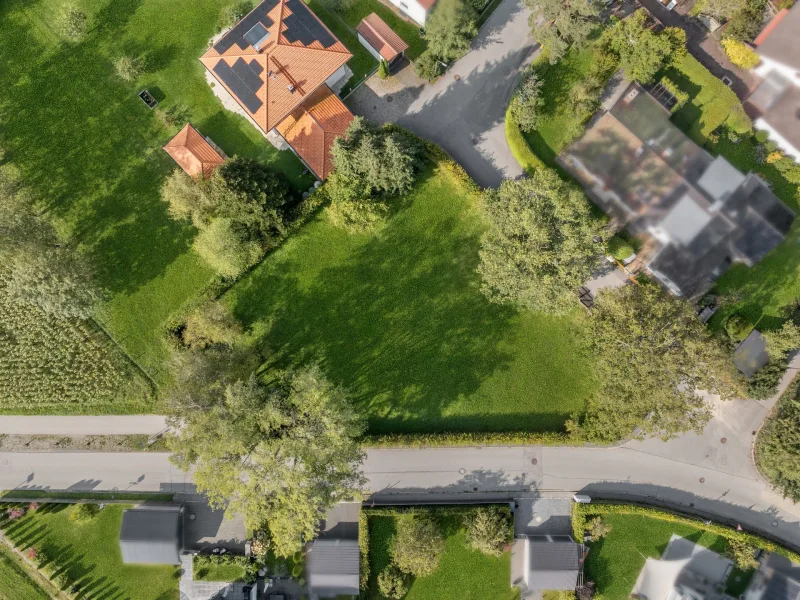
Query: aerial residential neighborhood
pixel 377 299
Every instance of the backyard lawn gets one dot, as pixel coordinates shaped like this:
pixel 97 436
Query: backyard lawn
pixel 89 553
pixel 15 583
pixel 92 149
pixel 397 317
pixel 462 574
pixel 615 561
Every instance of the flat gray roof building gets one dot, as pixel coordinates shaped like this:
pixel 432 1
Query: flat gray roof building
pixel 552 565
pixel 332 568
pixel 152 535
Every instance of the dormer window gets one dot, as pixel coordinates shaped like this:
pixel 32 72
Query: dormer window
pixel 257 36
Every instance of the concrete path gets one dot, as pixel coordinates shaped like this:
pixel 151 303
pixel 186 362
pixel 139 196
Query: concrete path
pixel 463 111
pixel 83 425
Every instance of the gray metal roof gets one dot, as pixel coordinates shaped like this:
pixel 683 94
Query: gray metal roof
pixel 553 565
pixel 332 568
pixel 151 535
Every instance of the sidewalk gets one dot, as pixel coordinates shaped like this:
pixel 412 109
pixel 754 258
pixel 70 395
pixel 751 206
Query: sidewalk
pixel 83 425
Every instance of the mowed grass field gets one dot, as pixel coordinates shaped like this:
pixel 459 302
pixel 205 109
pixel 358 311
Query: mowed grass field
pixel 92 149
pixel 462 574
pixel 89 553
pixel 397 317
pixel 15 583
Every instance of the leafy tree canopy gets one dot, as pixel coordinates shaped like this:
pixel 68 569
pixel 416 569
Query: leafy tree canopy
pixel 557 24
pixel 782 341
pixel 540 245
pixel 450 29
pixel 747 22
pixel 417 546
pixel 281 455
pixel 652 354
pixel 527 103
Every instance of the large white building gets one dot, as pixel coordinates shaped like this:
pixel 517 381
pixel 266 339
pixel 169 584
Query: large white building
pixel 775 104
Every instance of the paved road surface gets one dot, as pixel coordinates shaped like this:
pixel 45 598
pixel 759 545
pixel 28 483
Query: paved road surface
pixel 82 425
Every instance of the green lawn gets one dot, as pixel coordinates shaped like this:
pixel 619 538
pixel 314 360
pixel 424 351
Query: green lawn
pixel 398 318
pixel 92 149
pixel 462 574
pixel 206 569
pixel 15 583
pixel 406 29
pixel 89 553
pixel 560 125
pixel 362 63
pixel 615 561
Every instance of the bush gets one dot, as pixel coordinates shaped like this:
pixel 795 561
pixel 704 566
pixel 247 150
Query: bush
pixel 740 54
pixel 357 216
pixel 598 529
pixel 742 554
pixel 128 67
pixel 782 341
pixel 417 546
pixel 619 248
pixel 761 136
pixel 392 583
pixel 746 23
pixel 62 581
pixel 427 66
pixel 83 513
pixel 383 69
pixel 211 324
pixel 225 249
pixel 738 327
pixel 72 22
pixel 527 102
pixel 15 512
pixel 764 383
pixel 488 531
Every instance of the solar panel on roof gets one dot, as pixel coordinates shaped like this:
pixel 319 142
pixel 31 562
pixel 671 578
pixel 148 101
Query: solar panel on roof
pixel 243 81
pixel 302 26
pixel 237 34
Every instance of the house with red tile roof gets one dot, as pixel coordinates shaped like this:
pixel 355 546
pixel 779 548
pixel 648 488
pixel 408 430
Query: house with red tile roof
pixel 194 153
pixel 277 63
pixel 380 40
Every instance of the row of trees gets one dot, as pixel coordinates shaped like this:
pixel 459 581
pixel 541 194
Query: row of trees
pixel 242 210
pixel 650 351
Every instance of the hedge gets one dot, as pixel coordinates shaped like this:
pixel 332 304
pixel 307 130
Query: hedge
pixel 582 512
pixel 363 548
pixel 519 146
pixel 456 439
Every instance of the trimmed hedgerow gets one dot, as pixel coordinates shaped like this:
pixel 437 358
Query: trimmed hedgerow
pixel 444 440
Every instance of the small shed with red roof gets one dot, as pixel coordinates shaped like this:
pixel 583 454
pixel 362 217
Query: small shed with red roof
pixel 380 40
pixel 194 153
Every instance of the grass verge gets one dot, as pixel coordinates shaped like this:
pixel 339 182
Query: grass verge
pixel 15 582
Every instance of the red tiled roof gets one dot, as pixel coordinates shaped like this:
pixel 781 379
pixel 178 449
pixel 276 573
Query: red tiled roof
pixel 426 4
pixel 193 153
pixel 311 128
pixel 292 52
pixel 771 27
pixel 381 37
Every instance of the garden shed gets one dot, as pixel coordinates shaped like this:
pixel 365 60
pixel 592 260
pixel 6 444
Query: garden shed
pixel 194 153
pixel 332 568
pixel 380 40
pixel 152 535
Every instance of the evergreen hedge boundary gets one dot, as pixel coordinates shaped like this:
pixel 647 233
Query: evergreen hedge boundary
pixel 450 440
pixel 581 513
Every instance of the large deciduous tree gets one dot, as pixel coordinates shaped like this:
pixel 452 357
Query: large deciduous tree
pixel 540 245
pixel 450 29
pixel 557 24
pixel 652 354
pixel 643 52
pixel 281 455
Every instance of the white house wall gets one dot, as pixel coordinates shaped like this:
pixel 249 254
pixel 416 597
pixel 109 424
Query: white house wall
pixel 413 9
pixel 375 54
pixel 768 64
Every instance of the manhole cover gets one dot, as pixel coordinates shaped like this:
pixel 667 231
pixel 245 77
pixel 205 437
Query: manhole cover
pixel 724 440
pixel 534 461
pixel 389 98
pixel 474 489
pixel 774 523
pixel 702 480
pixel 462 471
pixel 754 433
pixel 457 77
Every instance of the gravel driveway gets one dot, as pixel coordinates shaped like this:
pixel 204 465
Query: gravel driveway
pixel 463 111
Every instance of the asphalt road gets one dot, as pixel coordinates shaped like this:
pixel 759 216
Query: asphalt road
pixel 463 111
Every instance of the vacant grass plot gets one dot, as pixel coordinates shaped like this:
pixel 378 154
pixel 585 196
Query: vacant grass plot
pixel 92 149
pixel 398 318
pixel 462 574
pixel 89 553
pixel 15 583
pixel 615 561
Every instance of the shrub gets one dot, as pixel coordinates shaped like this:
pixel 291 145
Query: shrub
pixel 527 102
pixel 619 248
pixel 392 583
pixel 742 554
pixel 83 513
pixel 774 157
pixel 33 507
pixel 211 324
pixel 746 23
pixel 738 327
pixel 427 66
pixel 72 22
pixel 357 216
pixel 417 546
pixel 761 136
pixel 488 531
pixel 782 341
pixel 764 383
pixel 62 581
pixel 15 512
pixel 383 69
pixel 128 67
pixel 597 529
pixel 185 198
pixel 225 249
pixel 740 53
pixel 32 554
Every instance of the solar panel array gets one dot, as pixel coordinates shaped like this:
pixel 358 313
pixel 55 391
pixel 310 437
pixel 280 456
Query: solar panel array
pixel 244 80
pixel 238 33
pixel 302 26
